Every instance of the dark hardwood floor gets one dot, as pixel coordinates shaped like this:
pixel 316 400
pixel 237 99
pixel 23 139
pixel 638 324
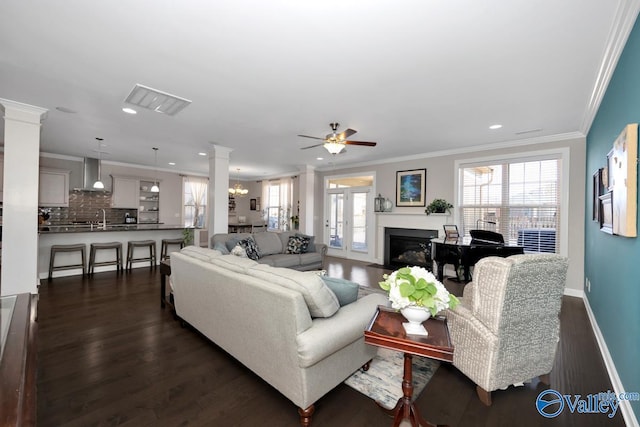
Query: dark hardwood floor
pixel 108 355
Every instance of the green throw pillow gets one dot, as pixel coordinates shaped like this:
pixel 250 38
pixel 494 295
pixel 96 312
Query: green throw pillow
pixel 345 290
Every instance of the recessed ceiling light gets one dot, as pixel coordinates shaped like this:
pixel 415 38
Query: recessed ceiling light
pixel 129 110
pixel 172 163
pixel 494 127
pixel 202 154
pixel 319 158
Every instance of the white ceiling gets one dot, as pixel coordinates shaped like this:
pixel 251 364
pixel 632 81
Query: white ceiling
pixel 416 76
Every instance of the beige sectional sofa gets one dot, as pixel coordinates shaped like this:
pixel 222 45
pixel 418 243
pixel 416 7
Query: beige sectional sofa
pixel 272 247
pixel 285 325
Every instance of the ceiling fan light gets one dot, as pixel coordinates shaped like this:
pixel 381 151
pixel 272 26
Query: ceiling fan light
pixel 334 147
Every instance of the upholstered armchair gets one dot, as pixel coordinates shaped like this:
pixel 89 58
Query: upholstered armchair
pixel 506 328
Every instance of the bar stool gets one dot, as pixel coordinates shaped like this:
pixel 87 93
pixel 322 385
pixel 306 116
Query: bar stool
pixel 79 247
pixel 99 246
pixel 133 244
pixel 164 254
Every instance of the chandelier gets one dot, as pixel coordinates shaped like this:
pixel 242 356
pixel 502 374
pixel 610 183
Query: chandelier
pixel 237 189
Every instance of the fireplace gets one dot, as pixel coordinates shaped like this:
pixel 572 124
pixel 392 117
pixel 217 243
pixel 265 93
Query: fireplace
pixel 408 246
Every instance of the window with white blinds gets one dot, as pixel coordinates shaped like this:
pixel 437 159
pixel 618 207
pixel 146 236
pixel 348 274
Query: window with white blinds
pixel 519 199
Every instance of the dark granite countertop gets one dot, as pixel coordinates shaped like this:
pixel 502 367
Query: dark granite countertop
pixel 93 228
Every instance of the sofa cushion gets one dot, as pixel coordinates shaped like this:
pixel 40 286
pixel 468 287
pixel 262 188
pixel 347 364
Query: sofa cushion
pixel 346 291
pixel 309 244
pixel 281 260
pixel 321 301
pixel 234 263
pixel 203 254
pixel 284 239
pixel 310 258
pixel 268 243
pixel 295 245
pixel 250 248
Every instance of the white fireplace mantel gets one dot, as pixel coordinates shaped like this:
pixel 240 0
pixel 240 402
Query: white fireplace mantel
pixel 419 221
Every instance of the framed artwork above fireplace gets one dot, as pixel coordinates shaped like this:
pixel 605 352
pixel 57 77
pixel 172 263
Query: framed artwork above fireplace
pixel 411 187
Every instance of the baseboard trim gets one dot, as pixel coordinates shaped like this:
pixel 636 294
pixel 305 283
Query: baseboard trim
pixel 629 416
pixel 574 292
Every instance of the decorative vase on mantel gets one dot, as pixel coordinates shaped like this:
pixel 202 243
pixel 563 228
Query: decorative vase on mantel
pixel 415 315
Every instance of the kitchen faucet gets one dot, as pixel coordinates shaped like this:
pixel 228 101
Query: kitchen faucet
pixel 104 218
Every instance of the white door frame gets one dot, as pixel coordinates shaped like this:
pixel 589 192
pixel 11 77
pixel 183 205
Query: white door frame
pixel 346 251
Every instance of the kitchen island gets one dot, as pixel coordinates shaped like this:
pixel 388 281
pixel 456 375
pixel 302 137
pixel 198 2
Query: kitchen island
pixel 65 234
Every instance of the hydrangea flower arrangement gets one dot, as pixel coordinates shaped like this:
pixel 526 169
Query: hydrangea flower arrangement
pixel 416 286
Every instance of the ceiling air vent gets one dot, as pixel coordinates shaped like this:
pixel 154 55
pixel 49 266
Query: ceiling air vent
pixel 156 100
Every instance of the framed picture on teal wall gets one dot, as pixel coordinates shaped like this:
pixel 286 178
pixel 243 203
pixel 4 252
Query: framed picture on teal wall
pixel 598 190
pixel 606 213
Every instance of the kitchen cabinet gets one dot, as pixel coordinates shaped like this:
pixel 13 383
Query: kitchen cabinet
pixel 149 204
pixel 135 193
pixel 53 188
pixel 125 192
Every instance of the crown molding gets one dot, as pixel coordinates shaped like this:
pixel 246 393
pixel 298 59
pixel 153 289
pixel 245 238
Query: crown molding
pixel 464 150
pixel 621 27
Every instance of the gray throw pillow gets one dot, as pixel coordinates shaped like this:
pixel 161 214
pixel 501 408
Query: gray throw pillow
pixel 232 242
pixel 309 244
pixel 222 248
pixel 345 290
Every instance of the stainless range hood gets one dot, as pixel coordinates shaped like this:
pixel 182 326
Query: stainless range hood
pixel 90 173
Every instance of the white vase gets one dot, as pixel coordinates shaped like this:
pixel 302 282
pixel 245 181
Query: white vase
pixel 415 315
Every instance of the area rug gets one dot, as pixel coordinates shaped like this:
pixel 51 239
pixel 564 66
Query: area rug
pixel 383 381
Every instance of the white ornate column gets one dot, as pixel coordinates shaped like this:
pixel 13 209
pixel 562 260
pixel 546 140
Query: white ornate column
pixel 20 199
pixel 306 193
pixel 218 190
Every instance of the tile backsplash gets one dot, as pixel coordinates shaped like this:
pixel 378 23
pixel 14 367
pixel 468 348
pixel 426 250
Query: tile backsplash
pixel 84 207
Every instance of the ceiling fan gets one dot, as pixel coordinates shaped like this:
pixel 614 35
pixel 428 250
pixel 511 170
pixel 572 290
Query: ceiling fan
pixel 335 142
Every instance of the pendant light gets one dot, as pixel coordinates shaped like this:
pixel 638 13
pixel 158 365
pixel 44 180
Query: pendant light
pixel 99 185
pixel 155 188
pixel 237 189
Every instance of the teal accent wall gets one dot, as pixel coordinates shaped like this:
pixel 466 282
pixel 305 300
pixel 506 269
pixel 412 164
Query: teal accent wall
pixel 612 263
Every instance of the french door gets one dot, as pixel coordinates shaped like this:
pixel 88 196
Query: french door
pixel 349 222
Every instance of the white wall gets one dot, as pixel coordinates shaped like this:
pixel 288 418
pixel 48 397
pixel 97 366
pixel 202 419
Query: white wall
pixel 440 184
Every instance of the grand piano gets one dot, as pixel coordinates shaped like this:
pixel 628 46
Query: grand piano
pixel 466 251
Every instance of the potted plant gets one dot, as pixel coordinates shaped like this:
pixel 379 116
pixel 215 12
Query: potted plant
pixel 187 235
pixel 417 293
pixel 438 206
pixel 295 221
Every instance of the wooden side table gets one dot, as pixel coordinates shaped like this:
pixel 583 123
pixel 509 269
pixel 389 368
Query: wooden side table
pixel 165 271
pixel 385 330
